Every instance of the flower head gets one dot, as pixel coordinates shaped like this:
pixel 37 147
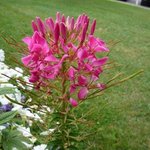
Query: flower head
pixel 64 49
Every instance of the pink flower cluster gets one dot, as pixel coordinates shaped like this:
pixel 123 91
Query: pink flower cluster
pixel 65 49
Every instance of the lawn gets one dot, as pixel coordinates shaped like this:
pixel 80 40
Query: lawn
pixel 122 115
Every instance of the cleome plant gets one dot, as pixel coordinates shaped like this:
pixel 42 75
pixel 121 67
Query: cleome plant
pixel 63 63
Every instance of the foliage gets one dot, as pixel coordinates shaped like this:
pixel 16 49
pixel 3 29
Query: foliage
pixel 7 116
pixel 12 138
pixel 7 90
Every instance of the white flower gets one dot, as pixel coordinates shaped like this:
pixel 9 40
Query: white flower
pixel 28 145
pixel 46 108
pixel 19 69
pixel 24 131
pixel 16 107
pixel 45 133
pixel 26 113
pixel 40 147
pixel 14 73
pixel 3 100
pixel 3 66
pixel 2 127
pixel 2 55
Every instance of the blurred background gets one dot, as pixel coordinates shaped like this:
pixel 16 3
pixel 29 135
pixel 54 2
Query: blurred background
pixel 139 2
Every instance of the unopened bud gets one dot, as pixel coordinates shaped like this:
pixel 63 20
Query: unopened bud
pixel 50 23
pixel 93 27
pixel 40 25
pixel 34 26
pixel 63 30
pixel 72 24
pixel 63 19
pixel 83 34
pixel 57 16
pixel 56 32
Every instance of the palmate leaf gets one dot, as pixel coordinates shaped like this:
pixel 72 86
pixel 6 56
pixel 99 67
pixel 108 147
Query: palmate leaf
pixel 7 116
pixel 14 138
pixel 7 90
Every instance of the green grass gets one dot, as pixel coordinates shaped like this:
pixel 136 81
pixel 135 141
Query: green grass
pixel 122 114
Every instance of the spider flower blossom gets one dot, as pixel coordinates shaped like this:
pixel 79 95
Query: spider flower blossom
pixel 65 48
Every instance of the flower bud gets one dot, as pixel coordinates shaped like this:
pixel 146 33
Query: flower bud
pixel 50 23
pixel 83 34
pixel 63 30
pixel 78 20
pixel 40 25
pixel 72 24
pixel 93 27
pixel 34 26
pixel 58 17
pixel 73 102
pixel 82 94
pixel 56 32
pixel 63 19
pixel 68 22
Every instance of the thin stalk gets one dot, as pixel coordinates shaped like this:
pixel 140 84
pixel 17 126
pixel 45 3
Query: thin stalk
pixel 116 83
pixel 125 79
pixel 18 103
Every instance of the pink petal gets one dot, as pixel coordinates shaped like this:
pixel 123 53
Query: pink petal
pixel 88 67
pixel 63 58
pixel 26 60
pixel 100 62
pixel 35 57
pixel 36 48
pixel 45 48
pixel 101 48
pixel 82 54
pixel 50 76
pixel 83 93
pixel 27 40
pixel 64 47
pixel 73 102
pixel 101 86
pixel 72 89
pixel 37 38
pixel 92 41
pixel 51 58
pixel 82 80
pixel 71 73
pixel 94 78
pixel 33 78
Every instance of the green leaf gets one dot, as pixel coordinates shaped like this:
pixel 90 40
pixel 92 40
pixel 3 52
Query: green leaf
pixel 7 116
pixel 55 145
pixel 14 138
pixel 7 90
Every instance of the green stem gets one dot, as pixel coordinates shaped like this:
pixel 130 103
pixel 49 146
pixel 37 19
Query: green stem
pixel 116 83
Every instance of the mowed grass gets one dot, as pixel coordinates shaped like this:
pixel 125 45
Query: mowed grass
pixel 122 114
